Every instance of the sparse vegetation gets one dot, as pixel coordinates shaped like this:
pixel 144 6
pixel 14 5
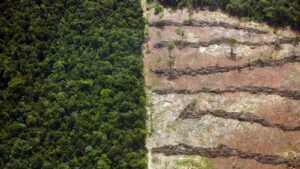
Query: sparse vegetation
pixel 170 62
pixel 158 9
pixel 161 16
pixel 180 32
pixel 231 42
pixel 158 59
pixel 155 160
pixel 158 34
pixel 294 42
pixel 191 163
pixel 188 163
pixel 170 47
pixel 146 32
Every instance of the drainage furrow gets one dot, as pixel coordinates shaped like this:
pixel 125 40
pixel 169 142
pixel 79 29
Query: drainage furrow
pixel 224 151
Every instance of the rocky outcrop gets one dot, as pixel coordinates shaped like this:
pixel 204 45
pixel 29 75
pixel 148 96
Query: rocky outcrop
pixel 291 94
pixel 201 23
pixel 175 73
pixel 224 151
pixel 223 40
pixel 190 113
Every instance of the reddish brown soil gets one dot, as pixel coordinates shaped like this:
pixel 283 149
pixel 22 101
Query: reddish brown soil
pixel 266 141
pixel 286 76
pixel 237 163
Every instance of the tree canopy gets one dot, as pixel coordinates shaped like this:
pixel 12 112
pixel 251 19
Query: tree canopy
pixel 72 87
pixel 274 12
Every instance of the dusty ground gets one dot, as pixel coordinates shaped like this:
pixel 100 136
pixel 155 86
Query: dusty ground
pixel 163 110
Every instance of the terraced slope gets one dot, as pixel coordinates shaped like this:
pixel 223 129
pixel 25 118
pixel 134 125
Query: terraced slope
pixel 222 93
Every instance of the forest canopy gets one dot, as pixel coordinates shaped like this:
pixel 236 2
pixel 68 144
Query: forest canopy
pixel 274 12
pixel 72 88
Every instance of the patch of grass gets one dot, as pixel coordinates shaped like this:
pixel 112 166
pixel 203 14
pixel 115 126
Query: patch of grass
pixel 231 42
pixel 158 59
pixel 170 46
pixel 189 163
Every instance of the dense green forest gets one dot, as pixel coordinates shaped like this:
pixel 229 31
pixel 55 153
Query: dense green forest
pixel 72 88
pixel 274 12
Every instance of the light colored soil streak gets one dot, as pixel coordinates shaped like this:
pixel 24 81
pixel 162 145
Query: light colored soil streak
pixel 172 73
pixel 201 23
pixel 190 113
pixel 224 151
pixel 292 94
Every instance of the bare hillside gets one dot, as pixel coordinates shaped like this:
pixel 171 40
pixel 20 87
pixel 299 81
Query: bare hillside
pixel 222 93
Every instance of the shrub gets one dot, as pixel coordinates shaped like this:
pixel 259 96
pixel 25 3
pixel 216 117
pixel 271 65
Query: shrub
pixel 158 9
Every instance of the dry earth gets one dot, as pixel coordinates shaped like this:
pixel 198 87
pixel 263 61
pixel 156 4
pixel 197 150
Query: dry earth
pixel 210 130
